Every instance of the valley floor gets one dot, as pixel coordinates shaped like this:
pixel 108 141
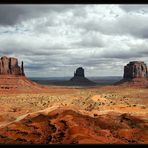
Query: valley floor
pixel 107 103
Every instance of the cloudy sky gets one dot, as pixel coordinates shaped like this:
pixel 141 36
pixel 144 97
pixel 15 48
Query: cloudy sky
pixel 53 40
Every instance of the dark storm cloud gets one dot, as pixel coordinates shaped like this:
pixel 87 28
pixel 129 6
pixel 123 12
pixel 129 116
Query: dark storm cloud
pixel 13 14
pixel 89 62
pixel 123 55
pixel 123 23
pixel 35 66
pixel 136 26
pixel 29 46
pixel 135 8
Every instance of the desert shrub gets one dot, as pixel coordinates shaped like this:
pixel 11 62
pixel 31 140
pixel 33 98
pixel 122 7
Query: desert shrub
pixel 90 107
pixel 143 107
pixel 95 115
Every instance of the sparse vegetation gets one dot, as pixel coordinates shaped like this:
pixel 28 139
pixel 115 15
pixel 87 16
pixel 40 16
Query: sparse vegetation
pixel 92 100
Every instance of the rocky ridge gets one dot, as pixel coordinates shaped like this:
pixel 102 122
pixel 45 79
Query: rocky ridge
pixel 69 126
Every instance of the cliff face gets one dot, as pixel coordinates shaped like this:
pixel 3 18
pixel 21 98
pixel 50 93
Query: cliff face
pixel 135 74
pixel 135 69
pixel 12 76
pixel 9 66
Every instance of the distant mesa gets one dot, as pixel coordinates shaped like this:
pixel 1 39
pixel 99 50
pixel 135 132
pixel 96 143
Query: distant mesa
pixel 79 72
pixel 9 66
pixel 135 74
pixel 79 78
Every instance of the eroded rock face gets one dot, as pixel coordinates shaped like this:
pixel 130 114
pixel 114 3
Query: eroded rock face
pixel 69 126
pixel 135 69
pixel 79 72
pixel 9 66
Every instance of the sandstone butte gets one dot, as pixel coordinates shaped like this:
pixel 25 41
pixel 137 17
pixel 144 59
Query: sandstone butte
pixel 12 76
pixel 79 78
pixel 9 66
pixel 135 74
pixel 135 69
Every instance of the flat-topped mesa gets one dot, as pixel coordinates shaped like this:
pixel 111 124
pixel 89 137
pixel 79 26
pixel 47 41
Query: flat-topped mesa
pixel 9 66
pixel 135 69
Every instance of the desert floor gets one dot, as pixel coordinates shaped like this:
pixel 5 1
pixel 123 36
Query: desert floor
pixel 94 101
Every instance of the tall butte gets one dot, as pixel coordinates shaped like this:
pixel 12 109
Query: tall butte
pixel 135 74
pixel 12 76
pixel 9 66
pixel 79 78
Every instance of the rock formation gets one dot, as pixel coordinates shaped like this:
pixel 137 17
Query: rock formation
pixel 135 74
pixel 79 78
pixel 135 69
pixel 79 72
pixel 12 76
pixel 72 126
pixel 9 66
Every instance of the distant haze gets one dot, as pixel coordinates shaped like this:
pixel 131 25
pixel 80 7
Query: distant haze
pixel 54 40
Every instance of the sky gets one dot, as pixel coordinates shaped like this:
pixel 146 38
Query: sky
pixel 54 40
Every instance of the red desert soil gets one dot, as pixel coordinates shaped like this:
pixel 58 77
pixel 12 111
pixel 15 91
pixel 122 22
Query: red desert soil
pixel 135 82
pixel 70 126
pixel 35 114
pixel 10 84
